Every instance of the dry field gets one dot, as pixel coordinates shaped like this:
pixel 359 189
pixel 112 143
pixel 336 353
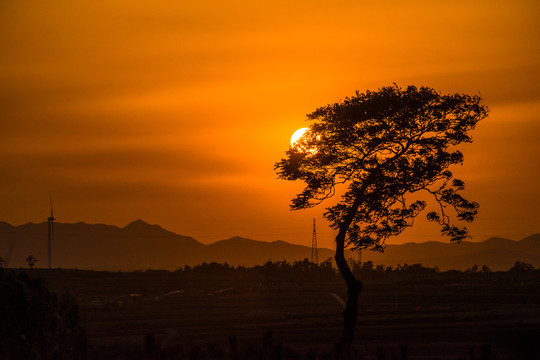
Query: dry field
pixel 172 314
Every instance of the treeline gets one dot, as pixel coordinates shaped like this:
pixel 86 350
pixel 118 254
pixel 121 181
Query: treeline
pixel 369 267
pixel 298 271
pixel 326 270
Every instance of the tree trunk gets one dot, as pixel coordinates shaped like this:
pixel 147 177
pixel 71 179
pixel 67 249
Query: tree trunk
pixel 354 287
pixel 350 315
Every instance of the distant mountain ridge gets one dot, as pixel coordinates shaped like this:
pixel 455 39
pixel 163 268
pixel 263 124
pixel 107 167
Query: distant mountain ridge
pixel 140 246
pixel 496 253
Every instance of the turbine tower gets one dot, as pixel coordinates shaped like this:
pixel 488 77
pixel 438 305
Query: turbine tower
pixel 50 222
pixel 314 251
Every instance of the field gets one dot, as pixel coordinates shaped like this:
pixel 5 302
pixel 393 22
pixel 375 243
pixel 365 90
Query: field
pixel 223 313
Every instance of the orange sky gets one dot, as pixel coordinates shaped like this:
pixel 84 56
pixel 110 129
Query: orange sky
pixel 176 112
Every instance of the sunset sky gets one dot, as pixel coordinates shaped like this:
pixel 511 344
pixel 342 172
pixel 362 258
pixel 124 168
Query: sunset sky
pixel 175 112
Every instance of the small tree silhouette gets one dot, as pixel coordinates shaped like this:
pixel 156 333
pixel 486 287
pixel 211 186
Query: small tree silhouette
pixel 520 266
pixel 31 261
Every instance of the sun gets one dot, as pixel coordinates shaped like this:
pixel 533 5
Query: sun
pixel 297 135
pixel 299 142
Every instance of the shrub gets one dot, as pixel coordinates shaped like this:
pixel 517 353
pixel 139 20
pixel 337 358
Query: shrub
pixel 35 323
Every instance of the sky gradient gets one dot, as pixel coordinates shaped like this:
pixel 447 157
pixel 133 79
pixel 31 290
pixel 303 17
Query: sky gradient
pixel 175 112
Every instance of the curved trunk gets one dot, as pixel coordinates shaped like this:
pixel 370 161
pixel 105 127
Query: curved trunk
pixel 354 287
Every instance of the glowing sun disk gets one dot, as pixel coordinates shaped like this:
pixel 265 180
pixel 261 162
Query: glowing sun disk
pixel 297 135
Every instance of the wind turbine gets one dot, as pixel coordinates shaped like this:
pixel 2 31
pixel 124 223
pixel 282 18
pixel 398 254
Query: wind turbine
pixel 50 222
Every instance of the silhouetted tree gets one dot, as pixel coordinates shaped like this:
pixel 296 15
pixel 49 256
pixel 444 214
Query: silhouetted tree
pixel 31 261
pixel 521 266
pixel 485 269
pixel 36 323
pixel 367 266
pixel 326 269
pixel 383 146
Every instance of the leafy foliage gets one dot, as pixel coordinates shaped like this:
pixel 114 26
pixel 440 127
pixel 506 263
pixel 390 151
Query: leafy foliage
pixel 35 323
pixel 385 146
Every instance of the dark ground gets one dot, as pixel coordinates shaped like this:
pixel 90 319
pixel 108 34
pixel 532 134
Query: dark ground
pixel 221 312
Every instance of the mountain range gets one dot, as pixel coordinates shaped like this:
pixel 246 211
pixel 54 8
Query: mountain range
pixel 140 246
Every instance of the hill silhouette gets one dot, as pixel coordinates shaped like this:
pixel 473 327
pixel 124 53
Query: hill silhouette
pixel 497 253
pixel 140 246
pixel 241 251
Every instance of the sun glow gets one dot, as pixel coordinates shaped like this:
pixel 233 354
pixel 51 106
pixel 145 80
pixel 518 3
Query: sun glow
pixel 299 142
pixel 297 135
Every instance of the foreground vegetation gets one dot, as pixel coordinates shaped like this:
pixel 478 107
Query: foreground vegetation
pixel 277 310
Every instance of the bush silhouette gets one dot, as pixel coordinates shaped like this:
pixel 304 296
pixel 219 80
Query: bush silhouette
pixel 36 323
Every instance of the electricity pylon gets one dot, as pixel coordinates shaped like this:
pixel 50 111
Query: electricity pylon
pixel 50 223
pixel 314 251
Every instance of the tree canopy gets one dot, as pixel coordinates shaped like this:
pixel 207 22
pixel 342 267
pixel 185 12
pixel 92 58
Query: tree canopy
pixel 384 146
